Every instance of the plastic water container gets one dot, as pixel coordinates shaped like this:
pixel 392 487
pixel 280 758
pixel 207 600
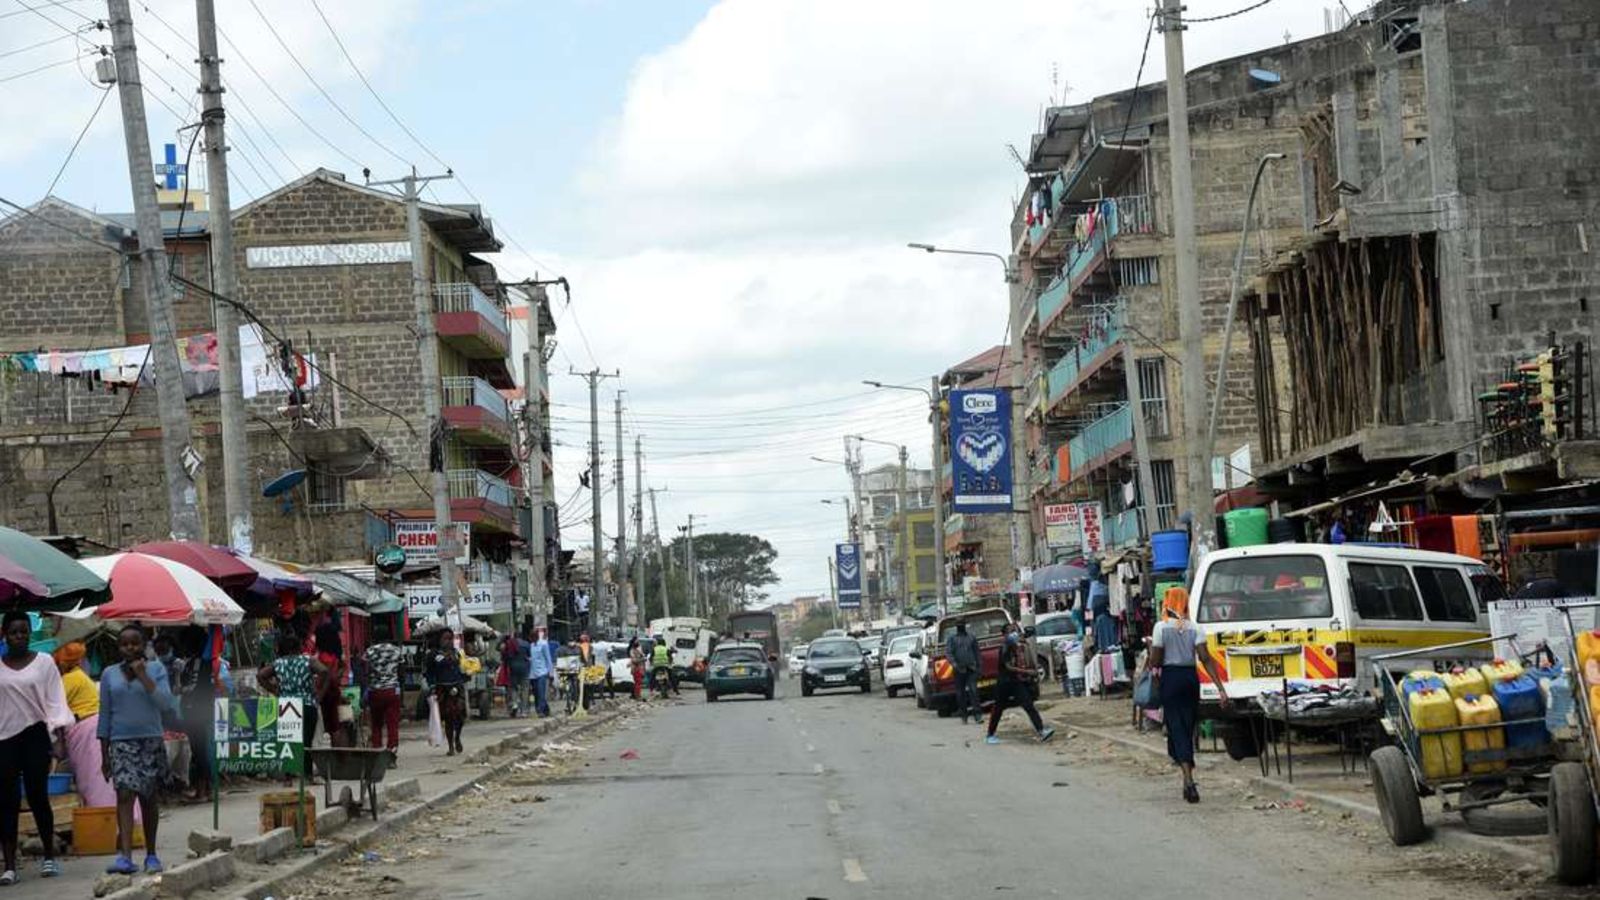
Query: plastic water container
pixel 1245 527
pixel 1476 709
pixel 1441 753
pixel 1465 682
pixel 1421 680
pixel 1558 702
pixel 1518 698
pixel 1169 551
pixel 1501 670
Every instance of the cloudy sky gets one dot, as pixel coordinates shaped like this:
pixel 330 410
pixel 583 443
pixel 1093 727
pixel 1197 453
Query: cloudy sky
pixel 729 185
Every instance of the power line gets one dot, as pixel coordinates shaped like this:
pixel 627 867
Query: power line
pixel 44 43
pixel 1238 12
pixel 284 103
pixel 100 104
pixel 55 65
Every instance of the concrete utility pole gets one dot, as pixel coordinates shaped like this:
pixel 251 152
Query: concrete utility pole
pixel 937 415
pixel 694 595
pixel 1022 538
pixel 905 528
pixel 638 530
pixel 432 389
pixel 533 471
pixel 622 519
pixel 833 591
pixel 1198 494
pixel 594 376
pixel 661 557
pixel 183 513
pixel 235 443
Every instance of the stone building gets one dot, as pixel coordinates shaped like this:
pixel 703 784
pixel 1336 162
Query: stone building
pixel 323 265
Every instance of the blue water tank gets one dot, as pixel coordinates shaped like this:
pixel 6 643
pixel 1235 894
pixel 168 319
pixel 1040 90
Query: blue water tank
pixel 1169 550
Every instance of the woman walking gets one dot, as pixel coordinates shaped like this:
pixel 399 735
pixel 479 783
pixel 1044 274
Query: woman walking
pixel 133 696
pixel 296 674
pixel 83 738
pixel 1014 686
pixel 450 688
pixel 1176 647
pixel 33 718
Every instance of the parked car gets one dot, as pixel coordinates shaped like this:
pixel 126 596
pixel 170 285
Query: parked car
pixel 833 632
pixel 797 659
pixel 897 662
pixel 872 648
pixel 889 635
pixel 739 667
pixel 835 663
pixel 1050 630
pixel 988 626
pixel 919 665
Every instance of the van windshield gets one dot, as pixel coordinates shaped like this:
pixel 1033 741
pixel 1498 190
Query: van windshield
pixel 1265 587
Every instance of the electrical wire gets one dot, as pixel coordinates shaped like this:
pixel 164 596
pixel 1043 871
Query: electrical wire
pixel 238 53
pixel 46 67
pixel 44 43
pixel 71 152
pixel 1228 15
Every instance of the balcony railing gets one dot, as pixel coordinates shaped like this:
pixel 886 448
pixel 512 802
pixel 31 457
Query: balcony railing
pixel 1051 299
pixel 1105 220
pixel 476 484
pixel 1135 214
pixel 466 390
pixel 1105 330
pixel 1099 438
pixel 1121 530
pixel 463 296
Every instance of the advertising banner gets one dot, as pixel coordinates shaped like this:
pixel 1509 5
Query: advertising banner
pixel 1062 526
pixel 1090 515
pixel 980 451
pixel 847 567
pixel 259 735
pixel 420 541
pixel 481 599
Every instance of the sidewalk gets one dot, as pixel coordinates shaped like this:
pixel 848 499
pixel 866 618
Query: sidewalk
pixel 239 812
pixel 1318 777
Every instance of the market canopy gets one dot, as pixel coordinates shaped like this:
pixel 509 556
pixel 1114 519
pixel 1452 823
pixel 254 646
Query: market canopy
pixel 343 589
pixel 37 577
pixel 153 590
pixel 214 563
pixel 1058 578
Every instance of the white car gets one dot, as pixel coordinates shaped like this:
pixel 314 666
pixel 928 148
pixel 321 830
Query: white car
pixel 919 665
pixel 897 662
pixel 1051 630
pixel 797 659
pixel 871 648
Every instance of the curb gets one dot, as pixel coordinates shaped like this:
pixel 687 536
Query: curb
pixel 340 847
pixel 1460 839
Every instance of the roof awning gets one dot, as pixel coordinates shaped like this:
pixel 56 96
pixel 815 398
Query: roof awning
pixel 1106 165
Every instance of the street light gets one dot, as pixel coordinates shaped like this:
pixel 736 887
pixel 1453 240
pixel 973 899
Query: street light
pixel 932 393
pixel 1005 264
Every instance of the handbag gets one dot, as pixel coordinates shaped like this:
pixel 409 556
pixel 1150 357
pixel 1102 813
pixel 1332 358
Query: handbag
pixel 1144 693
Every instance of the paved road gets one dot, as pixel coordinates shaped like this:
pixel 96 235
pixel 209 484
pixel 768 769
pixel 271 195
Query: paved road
pixel 840 796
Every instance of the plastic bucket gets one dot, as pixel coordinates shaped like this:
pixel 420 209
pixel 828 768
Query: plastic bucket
pixel 1169 550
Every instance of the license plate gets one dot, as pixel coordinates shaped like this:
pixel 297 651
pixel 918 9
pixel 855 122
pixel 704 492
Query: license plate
pixel 986 682
pixel 833 679
pixel 737 670
pixel 1266 667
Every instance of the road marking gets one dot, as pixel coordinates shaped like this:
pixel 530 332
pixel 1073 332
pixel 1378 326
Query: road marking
pixel 816 768
pixel 852 871
pixel 833 807
pixel 811 748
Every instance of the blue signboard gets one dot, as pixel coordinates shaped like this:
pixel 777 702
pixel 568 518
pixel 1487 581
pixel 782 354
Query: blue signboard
pixel 847 568
pixel 172 169
pixel 980 451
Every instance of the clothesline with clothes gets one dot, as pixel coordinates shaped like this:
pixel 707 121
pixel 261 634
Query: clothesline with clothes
pixel 265 368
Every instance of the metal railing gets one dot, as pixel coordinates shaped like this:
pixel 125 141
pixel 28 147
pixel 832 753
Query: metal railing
pixel 1099 437
pixel 468 390
pixel 1105 330
pixel 464 296
pixel 476 484
pixel 1135 214
pixel 1051 299
pixel 1122 529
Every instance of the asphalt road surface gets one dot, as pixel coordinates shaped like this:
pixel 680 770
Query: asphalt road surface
pixel 845 795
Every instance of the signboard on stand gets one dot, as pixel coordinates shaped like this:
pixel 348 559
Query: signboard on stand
pixel 847 568
pixel 980 451
pixel 259 735
pixel 1538 621
pixel 419 539
pixel 1062 526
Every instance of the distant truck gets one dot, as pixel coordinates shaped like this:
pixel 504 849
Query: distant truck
pixel 756 625
pixel 988 626
pixel 690 641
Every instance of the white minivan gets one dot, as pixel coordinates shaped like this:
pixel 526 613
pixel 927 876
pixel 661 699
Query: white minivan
pixel 1321 612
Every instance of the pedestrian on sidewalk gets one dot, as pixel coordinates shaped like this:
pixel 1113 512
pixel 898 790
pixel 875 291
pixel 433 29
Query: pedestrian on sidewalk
pixel 962 650
pixel 330 652
pixel 383 697
pixel 197 700
pixel 83 738
pixel 1176 647
pixel 541 663
pixel 514 655
pixel 133 696
pixel 636 666
pixel 1014 685
pixel 296 675
pixel 450 687
pixel 34 716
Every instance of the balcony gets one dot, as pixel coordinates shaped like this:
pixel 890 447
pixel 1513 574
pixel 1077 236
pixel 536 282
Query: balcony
pixel 1100 442
pixel 1089 232
pixel 475 411
pixel 482 499
pixel 1087 355
pixel 1051 301
pixel 469 321
pixel 1121 530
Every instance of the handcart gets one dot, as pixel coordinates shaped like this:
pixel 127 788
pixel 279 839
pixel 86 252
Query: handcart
pixel 1400 781
pixel 1572 802
pixel 351 764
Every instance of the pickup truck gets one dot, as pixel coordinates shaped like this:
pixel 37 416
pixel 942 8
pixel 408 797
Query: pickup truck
pixel 988 625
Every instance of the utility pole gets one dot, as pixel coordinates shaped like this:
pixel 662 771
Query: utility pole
pixel 183 514
pixel 235 443
pixel 833 591
pixel 432 388
pixel 594 376
pixel 622 519
pixel 694 587
pixel 661 557
pixel 1022 538
pixel 905 528
pixel 936 414
pixel 533 382
pixel 1198 493
pixel 638 529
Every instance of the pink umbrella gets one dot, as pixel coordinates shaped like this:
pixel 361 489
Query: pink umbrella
pixel 158 591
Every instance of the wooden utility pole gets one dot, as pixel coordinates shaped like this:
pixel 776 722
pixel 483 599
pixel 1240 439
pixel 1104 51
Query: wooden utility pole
pixel 662 559
pixel 622 520
pixel 597 569
pixel 179 461
pixel 638 530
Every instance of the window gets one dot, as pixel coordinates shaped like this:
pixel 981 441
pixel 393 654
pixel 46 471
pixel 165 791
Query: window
pixel 988 623
pixel 1056 627
pixel 1153 396
pixel 738 655
pixel 1161 472
pixel 1487 586
pixel 1383 592
pixel 926 568
pixel 1257 588
pixel 325 492
pixel 922 535
pixel 1445 594
pixel 1134 270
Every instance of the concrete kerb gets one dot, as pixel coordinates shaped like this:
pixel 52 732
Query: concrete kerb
pixel 1459 839
pixel 377 831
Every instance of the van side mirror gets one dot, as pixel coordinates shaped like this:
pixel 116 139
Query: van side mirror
pixel 915 654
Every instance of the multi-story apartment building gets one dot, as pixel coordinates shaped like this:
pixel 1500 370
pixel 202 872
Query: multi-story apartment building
pixel 880 540
pixel 324 265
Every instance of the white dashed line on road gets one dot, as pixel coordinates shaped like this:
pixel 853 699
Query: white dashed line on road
pixel 852 871
pixel 833 808
pixel 816 768
pixel 811 748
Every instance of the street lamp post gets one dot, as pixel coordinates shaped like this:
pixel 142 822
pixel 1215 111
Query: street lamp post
pixel 937 417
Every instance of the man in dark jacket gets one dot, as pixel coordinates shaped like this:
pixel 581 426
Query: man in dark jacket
pixel 962 650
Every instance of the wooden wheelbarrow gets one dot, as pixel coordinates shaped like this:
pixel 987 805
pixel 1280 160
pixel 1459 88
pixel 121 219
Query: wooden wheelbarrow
pixel 350 764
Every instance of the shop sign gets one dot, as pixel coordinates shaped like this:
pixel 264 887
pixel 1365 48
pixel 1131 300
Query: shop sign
pixel 1090 515
pixel 1536 621
pixel 481 599
pixel 1062 525
pixel 389 559
pixel 419 540
pixel 847 569
pixel 259 735
pixel 353 254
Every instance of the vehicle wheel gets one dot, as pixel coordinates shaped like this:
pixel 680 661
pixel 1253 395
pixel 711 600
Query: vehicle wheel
pixel 770 692
pixel 805 689
pixel 1396 792
pixel 866 686
pixel 922 701
pixel 945 710
pixel 711 697
pixel 1239 742
pixel 1510 820
pixel 1572 824
pixel 891 691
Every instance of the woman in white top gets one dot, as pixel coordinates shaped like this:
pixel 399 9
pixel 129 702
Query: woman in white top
pixel 1176 647
pixel 34 718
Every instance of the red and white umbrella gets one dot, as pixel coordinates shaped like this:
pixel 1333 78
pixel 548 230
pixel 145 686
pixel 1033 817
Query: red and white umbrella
pixel 158 591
